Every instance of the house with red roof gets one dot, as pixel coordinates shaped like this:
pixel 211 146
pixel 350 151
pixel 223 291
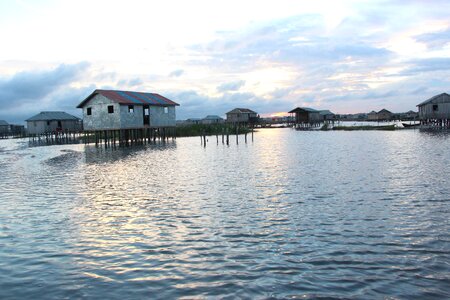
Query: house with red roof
pixel 112 110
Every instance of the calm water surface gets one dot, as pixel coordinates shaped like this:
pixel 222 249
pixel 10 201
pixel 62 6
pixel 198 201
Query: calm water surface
pixel 361 215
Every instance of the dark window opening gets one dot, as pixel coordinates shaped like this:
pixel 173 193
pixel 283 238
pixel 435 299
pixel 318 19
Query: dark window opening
pixel 146 115
pixel 110 109
pixel 59 124
pixel 89 111
pixel 131 108
pixel 435 107
pixel 48 123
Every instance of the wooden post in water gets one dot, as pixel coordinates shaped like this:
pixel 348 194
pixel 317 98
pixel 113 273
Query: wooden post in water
pixel 228 137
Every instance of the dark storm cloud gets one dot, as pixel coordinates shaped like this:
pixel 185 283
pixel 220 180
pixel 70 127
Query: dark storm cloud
pixel 31 87
pixel 27 93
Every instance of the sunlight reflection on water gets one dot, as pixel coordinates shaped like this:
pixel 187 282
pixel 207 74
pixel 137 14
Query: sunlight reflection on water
pixel 332 214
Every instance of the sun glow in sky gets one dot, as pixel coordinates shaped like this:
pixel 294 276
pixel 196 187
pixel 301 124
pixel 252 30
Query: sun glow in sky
pixel 210 56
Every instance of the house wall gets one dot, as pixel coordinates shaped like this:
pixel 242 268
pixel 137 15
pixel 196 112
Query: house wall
pixel 159 118
pixel 307 117
pixel 100 119
pixel 384 116
pixel 39 127
pixel 131 119
pixel 240 117
pixel 211 121
pixel 426 111
pixel 4 128
pixel 372 116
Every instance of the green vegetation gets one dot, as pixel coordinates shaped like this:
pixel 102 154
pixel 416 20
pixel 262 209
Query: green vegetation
pixel 209 129
pixel 366 127
pixel 324 127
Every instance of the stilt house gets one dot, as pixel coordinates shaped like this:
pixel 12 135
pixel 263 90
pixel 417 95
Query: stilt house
pixel 384 115
pixel 242 115
pixel 53 121
pixel 435 109
pixel 4 127
pixel 113 110
pixel 305 115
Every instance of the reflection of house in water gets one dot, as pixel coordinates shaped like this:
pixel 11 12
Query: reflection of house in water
pixel 53 121
pixel 112 110
pixel 435 111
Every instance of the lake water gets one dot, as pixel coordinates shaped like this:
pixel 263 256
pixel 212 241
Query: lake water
pixel 361 215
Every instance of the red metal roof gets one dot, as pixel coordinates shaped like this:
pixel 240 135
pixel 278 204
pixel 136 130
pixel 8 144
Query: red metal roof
pixel 128 97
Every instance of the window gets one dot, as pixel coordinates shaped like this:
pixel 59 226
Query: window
pixel 131 108
pixel 166 110
pixel 48 123
pixel 89 111
pixel 110 109
pixel 435 107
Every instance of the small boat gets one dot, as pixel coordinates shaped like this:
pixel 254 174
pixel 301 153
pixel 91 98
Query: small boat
pixel 414 125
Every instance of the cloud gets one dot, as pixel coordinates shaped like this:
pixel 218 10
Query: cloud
pixel 130 83
pixel 231 86
pixel 435 40
pixel 176 73
pixel 29 92
pixel 30 87
pixel 194 104
pixel 427 65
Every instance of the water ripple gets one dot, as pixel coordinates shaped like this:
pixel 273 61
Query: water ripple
pixel 320 215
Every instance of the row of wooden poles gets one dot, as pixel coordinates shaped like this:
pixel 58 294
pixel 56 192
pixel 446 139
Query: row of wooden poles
pixel 129 137
pixel 436 123
pixel 55 138
pixel 226 136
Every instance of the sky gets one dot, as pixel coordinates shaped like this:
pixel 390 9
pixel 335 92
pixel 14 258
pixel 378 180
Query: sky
pixel 213 56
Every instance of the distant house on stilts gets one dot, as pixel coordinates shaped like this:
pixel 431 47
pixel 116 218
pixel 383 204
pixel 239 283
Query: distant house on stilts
pixel 305 117
pixel 435 112
pixel 242 116
pixel 53 121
